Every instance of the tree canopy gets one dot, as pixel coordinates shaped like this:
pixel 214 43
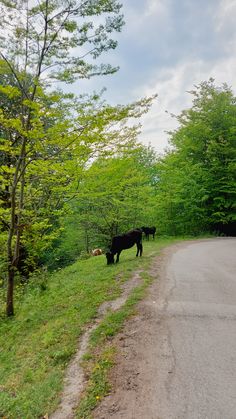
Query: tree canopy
pixel 197 178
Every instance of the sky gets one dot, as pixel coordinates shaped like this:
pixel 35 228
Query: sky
pixel 167 47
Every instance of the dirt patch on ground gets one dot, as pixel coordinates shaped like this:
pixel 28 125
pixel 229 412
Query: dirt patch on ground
pixel 75 381
pixel 133 378
pixel 127 287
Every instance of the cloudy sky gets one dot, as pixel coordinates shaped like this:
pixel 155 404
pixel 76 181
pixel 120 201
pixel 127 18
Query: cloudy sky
pixel 167 47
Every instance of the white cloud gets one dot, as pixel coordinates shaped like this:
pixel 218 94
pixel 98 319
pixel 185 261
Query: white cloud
pixel 151 16
pixel 172 86
pixel 167 47
pixel 225 14
pixel 157 9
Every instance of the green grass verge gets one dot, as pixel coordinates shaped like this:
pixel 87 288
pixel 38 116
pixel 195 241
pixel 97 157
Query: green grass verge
pixel 37 344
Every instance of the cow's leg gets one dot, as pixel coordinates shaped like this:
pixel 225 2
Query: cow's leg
pixel 140 249
pixel 118 256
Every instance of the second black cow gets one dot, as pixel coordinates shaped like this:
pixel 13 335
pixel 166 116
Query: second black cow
pixel 149 230
pixel 125 241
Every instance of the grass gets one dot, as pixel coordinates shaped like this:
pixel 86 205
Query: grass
pixel 37 344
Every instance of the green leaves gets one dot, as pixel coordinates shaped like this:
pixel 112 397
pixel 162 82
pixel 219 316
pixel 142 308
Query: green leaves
pixel 199 176
pixel 112 196
pixel 46 38
pixel 49 139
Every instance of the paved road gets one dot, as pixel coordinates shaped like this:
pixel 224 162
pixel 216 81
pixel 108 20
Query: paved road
pixel 178 356
pixel 199 339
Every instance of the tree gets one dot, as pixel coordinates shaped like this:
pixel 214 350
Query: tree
pixel 56 38
pixel 180 195
pixel 50 40
pixel 57 150
pixel 114 196
pixel 199 174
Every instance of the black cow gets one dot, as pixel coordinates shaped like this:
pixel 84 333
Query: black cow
pixel 125 241
pixel 149 230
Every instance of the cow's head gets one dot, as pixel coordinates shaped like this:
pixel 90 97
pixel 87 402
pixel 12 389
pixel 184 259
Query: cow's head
pixel 110 258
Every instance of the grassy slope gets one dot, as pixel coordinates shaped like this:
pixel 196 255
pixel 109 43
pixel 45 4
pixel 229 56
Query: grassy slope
pixel 36 345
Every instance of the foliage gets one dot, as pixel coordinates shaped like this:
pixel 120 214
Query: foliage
pixel 197 178
pixel 115 195
pixel 47 137
pixel 38 43
pixel 56 38
pixel 112 196
pixel 56 150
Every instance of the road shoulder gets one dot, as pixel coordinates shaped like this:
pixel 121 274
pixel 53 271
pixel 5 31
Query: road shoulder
pixel 133 376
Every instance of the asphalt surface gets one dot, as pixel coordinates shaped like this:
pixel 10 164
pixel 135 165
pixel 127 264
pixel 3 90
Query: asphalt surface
pixel 197 350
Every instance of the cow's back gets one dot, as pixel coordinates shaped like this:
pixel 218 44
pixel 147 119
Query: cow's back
pixel 125 241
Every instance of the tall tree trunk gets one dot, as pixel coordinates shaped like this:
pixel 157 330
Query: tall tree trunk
pixel 11 269
pixel 13 257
